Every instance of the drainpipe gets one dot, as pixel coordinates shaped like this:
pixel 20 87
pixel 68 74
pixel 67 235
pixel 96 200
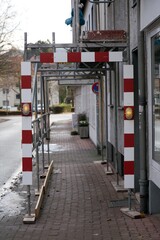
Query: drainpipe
pixel 142 117
pixel 101 116
pixel 74 22
pixel 105 17
pixel 77 21
pixel 98 17
pixel 76 26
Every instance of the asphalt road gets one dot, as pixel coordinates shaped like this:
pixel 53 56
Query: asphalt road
pixel 10 144
pixel 10 147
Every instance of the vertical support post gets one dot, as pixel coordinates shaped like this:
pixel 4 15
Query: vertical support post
pixel 26 124
pixel 42 121
pixel 26 132
pixel 101 117
pixel 106 117
pixel 34 84
pixel 128 127
pixel 29 200
pixel 53 41
pixel 129 199
pixel 47 120
pixel 42 134
pixel 36 97
pixel 97 119
pixel 25 46
pixel 108 170
pixel 48 138
pixel 116 121
pixel 37 155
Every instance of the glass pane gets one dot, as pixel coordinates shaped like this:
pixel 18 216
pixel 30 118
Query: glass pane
pixel 156 95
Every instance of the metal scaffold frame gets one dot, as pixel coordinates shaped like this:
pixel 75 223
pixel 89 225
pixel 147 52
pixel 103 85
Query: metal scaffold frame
pixel 83 60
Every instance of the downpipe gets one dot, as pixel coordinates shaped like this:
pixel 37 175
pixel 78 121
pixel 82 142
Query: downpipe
pixel 143 182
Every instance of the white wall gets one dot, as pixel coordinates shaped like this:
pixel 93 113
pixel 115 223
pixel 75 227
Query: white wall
pixel 11 97
pixel 85 102
pixel 150 11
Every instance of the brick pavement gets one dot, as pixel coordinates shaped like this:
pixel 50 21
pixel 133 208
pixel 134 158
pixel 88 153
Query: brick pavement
pixel 77 205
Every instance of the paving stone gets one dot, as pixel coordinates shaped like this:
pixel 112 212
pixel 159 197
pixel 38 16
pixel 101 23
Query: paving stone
pixel 76 204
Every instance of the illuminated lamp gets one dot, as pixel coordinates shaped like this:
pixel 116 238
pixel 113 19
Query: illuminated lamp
pixel 26 109
pixel 128 113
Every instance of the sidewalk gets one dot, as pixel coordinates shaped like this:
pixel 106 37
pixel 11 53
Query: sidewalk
pixel 81 203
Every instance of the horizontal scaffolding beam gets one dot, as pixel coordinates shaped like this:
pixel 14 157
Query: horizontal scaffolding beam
pixel 57 77
pixel 87 70
pixel 78 45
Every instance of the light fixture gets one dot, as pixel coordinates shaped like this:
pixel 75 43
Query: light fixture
pixel 128 113
pixel 26 109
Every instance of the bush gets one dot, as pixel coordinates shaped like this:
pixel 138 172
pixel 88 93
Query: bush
pixel 61 108
pixel 82 119
pixel 4 112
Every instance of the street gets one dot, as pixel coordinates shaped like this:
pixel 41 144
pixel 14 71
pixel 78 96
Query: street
pixel 10 147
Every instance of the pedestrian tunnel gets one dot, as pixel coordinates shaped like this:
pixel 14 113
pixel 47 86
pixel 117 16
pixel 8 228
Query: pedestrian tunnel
pixel 36 132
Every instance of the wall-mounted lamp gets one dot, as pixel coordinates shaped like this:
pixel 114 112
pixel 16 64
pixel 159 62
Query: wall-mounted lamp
pixel 128 113
pixel 26 109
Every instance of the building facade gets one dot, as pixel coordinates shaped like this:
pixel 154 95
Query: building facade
pixel 9 97
pixel 140 19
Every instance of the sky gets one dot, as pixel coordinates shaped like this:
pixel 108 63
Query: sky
pixel 39 19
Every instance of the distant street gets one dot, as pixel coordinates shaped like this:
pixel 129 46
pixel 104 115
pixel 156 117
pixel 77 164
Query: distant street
pixel 10 147
pixel 10 144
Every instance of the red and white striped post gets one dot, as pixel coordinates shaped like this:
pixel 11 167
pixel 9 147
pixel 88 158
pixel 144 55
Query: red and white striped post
pixel 26 123
pixel 128 126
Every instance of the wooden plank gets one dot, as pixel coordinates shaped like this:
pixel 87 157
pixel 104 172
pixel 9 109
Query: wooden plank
pixel 39 202
pixel 49 172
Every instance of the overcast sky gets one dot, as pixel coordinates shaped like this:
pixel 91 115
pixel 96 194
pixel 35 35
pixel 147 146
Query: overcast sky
pixel 40 18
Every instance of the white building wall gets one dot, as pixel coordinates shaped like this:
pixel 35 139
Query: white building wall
pixel 53 92
pixel 10 96
pixel 85 102
pixel 150 11
pixel 150 23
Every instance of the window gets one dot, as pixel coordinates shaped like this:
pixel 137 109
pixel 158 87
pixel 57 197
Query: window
pixel 156 97
pixel 5 103
pixel 18 96
pixel 5 90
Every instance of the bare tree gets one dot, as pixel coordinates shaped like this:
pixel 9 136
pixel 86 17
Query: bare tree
pixel 6 30
pixel 11 74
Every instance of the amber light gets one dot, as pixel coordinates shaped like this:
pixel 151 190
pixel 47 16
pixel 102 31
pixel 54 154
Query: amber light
pixel 26 109
pixel 129 113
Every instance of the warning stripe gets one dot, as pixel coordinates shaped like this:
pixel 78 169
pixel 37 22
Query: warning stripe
pixel 128 127
pixel 129 167
pixel 27 164
pixel 65 57
pixel 25 82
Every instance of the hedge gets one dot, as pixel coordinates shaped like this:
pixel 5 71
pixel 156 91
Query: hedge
pixel 61 108
pixel 4 112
